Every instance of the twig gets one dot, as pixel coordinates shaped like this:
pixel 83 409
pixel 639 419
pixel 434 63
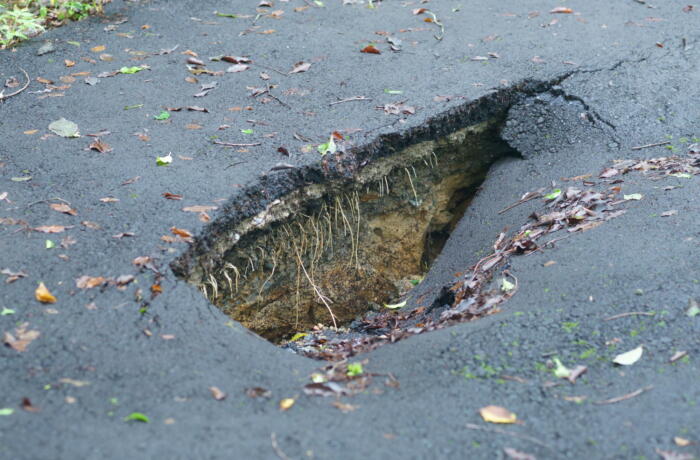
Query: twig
pixel 528 196
pixel 350 99
pixel 269 93
pixel 46 201
pixel 232 144
pixel 472 426
pixel 625 397
pixel 4 96
pixel 631 313
pixel 280 453
pixel 656 144
pixel 270 68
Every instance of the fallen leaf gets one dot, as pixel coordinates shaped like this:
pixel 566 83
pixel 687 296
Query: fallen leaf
pixel 561 10
pixel 171 196
pixel 100 146
pixel 97 49
pixel 42 294
pixel 6 411
pixel 497 414
pixel 51 228
pixel 237 68
pixel 109 199
pixel 630 357
pixel 21 338
pixel 89 282
pixel 180 232
pixel 300 67
pixel 12 276
pixel 669 213
pixel 217 393
pixel 64 208
pixel 258 392
pixel 395 306
pixel 681 442
pixel 633 196
pixel 344 407
pixel 164 161
pixel 671 455
pixel 677 355
pixel 68 62
pixel 193 126
pixel 138 417
pixel 286 404
pixel 28 406
pixel 549 263
pixel 370 49
pixel 91 225
pixel 141 261
pixel 64 128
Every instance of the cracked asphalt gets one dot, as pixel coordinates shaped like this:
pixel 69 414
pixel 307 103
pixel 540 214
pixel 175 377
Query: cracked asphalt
pixel 577 91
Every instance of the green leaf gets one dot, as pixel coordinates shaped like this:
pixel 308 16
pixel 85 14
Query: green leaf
pixel 506 285
pixel 555 193
pixel 560 370
pixel 393 91
pixel 247 131
pixel 73 43
pixel 226 15
pixel 138 417
pixel 50 244
pixel 354 369
pixel 7 311
pixel 395 305
pixel 297 336
pixel 166 160
pixel 21 179
pixel 633 196
pixel 130 70
pixel 693 309
pixel 64 128
pixel 319 3
pixel 682 175
pixel 328 147
pixel 163 115
pixel 7 411
pixel 136 106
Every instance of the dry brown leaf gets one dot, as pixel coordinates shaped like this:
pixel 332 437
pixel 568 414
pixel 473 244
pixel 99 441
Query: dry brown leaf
pixel 64 208
pixel 100 146
pixel 180 232
pixel 370 49
pixel 28 406
pixel 681 442
pixel 141 261
pixel 301 67
pixel 21 338
pixel 344 407
pixel 89 282
pixel 97 49
pixel 217 393
pixel 69 63
pixel 29 132
pixel 42 294
pixel 12 276
pixel 561 10
pixel 172 196
pixel 51 228
pixel 91 225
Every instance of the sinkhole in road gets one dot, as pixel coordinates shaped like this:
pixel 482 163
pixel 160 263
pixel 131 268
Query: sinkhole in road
pixel 329 252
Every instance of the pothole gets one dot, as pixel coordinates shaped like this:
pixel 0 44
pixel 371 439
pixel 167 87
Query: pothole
pixel 328 253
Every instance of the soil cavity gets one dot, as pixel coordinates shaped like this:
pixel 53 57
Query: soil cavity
pixel 330 252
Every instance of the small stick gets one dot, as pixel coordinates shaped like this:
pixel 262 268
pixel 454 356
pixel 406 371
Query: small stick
pixel 630 313
pixel 350 99
pixel 26 85
pixel 270 68
pixel 656 144
pixel 472 426
pixel 280 453
pixel 625 397
pixel 528 196
pixel 269 93
pixel 231 144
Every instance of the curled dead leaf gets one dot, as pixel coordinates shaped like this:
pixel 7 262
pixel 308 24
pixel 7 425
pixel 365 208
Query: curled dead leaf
pixel 64 208
pixel 43 295
pixel 21 338
pixel 217 393
pixel 89 282
pixel 497 414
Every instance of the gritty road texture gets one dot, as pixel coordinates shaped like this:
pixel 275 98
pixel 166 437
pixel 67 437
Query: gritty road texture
pixel 577 90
